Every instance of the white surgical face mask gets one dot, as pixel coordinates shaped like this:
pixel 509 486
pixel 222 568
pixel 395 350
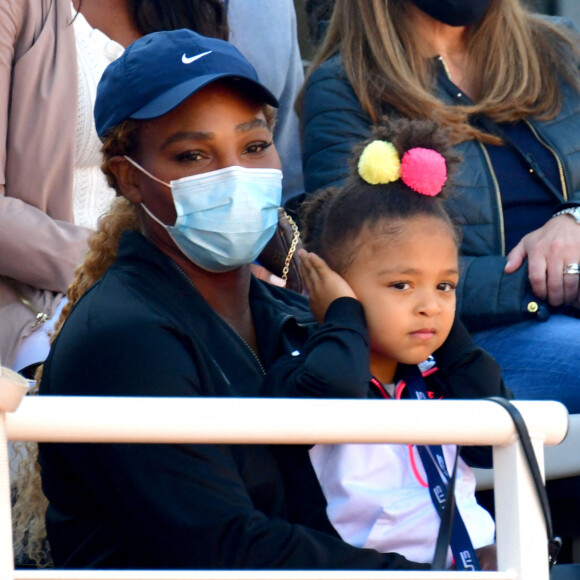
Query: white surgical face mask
pixel 226 217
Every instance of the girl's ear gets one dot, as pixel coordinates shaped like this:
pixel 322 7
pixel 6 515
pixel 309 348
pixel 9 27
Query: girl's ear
pixel 128 178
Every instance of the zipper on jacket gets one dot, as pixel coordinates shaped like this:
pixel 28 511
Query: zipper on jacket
pixel 444 65
pixel 556 157
pixel 489 166
pixel 254 355
pixel 497 197
pixel 249 348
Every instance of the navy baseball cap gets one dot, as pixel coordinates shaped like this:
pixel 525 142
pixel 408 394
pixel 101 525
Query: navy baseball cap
pixel 159 71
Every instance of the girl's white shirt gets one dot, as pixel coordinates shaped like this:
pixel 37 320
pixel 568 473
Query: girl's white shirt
pixel 91 194
pixel 375 499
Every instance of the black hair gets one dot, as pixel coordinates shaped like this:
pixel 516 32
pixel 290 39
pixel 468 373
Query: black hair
pixel 318 13
pixel 332 219
pixel 207 17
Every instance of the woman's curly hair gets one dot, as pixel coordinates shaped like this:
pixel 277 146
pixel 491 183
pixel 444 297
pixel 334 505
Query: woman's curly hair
pixel 29 502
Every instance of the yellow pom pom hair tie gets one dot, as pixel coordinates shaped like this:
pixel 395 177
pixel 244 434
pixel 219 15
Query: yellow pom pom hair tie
pixel 423 170
pixel 379 163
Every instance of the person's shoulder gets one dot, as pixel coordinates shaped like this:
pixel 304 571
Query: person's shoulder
pixel 122 345
pixel 329 85
pixel 563 35
pixel 562 25
pixel 560 21
pixel 24 18
pixel 110 312
pixel 137 291
pixel 28 8
pixel 285 301
pixel 332 68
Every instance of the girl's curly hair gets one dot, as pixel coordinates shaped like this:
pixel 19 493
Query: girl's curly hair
pixel 332 219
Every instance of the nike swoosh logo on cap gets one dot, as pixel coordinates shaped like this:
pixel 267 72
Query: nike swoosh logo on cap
pixel 188 60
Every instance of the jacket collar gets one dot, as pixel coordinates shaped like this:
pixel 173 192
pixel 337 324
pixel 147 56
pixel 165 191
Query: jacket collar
pixel 280 315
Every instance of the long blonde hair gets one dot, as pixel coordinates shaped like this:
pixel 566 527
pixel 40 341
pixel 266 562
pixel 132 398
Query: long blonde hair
pixel 516 59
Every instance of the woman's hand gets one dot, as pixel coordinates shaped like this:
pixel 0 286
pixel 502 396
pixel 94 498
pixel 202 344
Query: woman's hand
pixel 323 284
pixel 548 250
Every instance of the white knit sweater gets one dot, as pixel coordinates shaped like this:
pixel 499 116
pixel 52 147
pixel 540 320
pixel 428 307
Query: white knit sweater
pixel 91 195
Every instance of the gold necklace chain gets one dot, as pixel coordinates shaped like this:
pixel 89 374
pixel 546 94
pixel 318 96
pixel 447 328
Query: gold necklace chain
pixel 292 249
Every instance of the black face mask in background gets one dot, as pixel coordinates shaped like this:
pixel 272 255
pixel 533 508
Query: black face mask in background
pixel 454 12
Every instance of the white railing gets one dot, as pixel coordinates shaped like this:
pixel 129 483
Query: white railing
pixel 521 534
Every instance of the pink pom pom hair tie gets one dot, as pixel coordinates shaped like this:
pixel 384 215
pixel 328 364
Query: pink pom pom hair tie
pixel 424 171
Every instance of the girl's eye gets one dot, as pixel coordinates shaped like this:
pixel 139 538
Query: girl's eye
pixel 258 147
pixel 447 287
pixel 400 285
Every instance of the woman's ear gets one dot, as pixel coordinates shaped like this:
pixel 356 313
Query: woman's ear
pixel 128 178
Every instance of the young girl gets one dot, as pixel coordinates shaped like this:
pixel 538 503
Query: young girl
pixel 381 274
